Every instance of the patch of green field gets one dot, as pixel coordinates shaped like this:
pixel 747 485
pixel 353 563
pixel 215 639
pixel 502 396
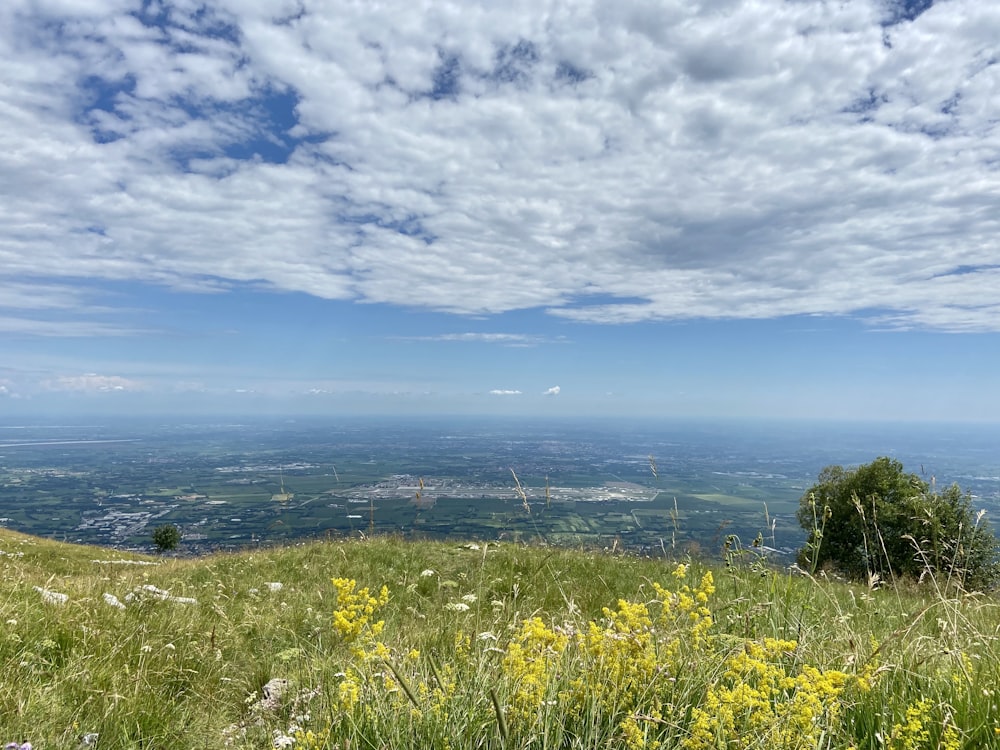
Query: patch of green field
pixel 724 499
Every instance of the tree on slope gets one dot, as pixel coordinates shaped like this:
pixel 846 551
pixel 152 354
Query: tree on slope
pixel 166 537
pixel 877 519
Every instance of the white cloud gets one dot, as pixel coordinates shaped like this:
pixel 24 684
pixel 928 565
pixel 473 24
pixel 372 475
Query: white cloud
pixel 40 296
pixel 66 309
pixel 553 391
pixel 505 339
pixel 93 383
pixel 499 392
pixel 610 161
pixel 63 328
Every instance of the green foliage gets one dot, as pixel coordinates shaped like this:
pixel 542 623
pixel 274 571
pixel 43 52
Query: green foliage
pixel 166 537
pixel 877 522
pixel 495 646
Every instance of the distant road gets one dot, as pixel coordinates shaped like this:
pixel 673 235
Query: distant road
pixel 67 442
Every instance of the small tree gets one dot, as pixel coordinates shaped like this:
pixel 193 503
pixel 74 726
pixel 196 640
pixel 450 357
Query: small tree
pixel 877 519
pixel 166 537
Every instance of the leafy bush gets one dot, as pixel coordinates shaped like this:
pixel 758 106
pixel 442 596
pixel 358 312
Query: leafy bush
pixel 166 537
pixel 877 520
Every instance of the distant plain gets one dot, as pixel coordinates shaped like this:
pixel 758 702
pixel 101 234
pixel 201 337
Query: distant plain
pixel 638 486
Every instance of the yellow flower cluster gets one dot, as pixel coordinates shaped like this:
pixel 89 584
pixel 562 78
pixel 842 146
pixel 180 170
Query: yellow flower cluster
pixel 349 691
pixel 310 740
pixel 530 660
pixel 620 662
pixel 758 697
pixel 622 667
pixel 438 695
pixel 353 621
pixel 914 733
pixel 628 679
pixel 355 609
pixel 374 671
pixel 687 607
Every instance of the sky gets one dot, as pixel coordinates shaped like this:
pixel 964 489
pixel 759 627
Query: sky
pixel 663 208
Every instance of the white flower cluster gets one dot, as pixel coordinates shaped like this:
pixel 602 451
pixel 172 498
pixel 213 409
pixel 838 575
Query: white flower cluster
pixel 275 697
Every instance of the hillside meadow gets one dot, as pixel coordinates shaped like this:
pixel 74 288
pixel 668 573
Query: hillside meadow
pixel 384 643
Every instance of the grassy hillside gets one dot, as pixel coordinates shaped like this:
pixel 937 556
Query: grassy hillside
pixel 500 646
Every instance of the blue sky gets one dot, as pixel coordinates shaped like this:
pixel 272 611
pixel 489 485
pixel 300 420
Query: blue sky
pixel 737 208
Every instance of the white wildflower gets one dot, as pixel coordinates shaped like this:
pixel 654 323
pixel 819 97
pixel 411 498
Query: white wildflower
pixel 230 733
pixel 283 740
pixel 51 597
pixel 469 598
pixel 275 585
pixel 457 607
pixel 427 573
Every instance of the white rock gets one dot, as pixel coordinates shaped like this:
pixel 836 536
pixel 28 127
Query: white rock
pixel 51 597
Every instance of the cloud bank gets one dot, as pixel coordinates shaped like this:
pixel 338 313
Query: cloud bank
pixel 93 383
pixel 609 161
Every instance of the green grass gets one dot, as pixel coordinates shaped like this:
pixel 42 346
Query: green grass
pixel 920 666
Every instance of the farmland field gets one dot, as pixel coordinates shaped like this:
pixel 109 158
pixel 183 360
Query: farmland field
pixel 637 486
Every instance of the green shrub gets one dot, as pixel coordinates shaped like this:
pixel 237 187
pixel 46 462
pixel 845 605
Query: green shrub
pixel 879 522
pixel 166 537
